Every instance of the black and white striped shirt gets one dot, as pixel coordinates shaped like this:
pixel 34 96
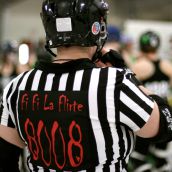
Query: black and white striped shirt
pixel 75 116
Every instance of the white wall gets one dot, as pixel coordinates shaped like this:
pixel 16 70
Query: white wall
pixel 135 28
pixel 22 20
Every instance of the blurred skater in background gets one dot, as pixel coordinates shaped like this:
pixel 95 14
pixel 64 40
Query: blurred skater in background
pixel 156 75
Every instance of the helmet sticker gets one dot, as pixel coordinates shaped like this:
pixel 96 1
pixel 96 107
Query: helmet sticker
pixel 154 42
pixel 96 28
pixel 50 42
pixel 64 24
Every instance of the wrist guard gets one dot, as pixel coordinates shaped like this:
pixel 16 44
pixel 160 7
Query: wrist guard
pixel 165 126
pixel 114 58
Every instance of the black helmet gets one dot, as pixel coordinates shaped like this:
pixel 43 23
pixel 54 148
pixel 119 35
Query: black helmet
pixel 74 22
pixel 149 42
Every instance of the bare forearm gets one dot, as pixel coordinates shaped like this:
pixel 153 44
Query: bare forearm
pixel 11 136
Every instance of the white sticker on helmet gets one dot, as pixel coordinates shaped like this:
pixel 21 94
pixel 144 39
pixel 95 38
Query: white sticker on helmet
pixel 154 42
pixel 63 24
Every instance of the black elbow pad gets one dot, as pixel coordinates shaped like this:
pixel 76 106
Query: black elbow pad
pixel 165 128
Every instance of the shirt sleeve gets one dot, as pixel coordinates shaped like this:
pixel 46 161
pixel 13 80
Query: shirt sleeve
pixel 5 115
pixel 135 106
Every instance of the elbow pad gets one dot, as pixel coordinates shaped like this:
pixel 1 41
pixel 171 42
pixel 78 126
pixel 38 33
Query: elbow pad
pixel 165 126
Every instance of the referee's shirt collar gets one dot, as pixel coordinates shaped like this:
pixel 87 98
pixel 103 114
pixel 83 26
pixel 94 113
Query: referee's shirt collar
pixel 69 66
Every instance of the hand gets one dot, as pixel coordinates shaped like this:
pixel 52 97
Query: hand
pixel 99 63
pixel 112 58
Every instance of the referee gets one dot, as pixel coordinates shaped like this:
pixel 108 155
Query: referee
pixel 71 114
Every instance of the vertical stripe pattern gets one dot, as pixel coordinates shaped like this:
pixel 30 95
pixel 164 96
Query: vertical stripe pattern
pixel 111 98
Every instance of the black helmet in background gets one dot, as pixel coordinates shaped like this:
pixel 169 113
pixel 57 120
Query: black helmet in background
pixel 149 42
pixel 75 22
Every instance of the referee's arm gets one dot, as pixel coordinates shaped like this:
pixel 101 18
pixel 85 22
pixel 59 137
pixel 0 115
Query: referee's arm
pixel 11 135
pixel 159 126
pixel 151 128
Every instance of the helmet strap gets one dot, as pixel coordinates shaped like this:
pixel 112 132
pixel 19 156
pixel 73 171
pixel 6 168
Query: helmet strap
pixel 96 55
pixel 50 51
